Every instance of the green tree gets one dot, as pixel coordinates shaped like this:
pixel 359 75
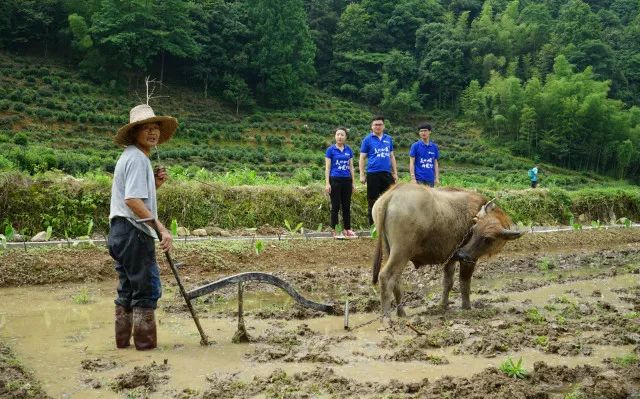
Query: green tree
pixel 284 53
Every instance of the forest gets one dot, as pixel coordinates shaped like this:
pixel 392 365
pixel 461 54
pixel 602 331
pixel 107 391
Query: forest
pixel 557 81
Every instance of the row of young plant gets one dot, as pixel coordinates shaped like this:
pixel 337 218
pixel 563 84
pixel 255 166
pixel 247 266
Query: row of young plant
pixel 68 205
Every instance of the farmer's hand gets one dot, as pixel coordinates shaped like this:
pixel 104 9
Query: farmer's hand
pixel 327 188
pixel 161 176
pixel 363 179
pixel 353 187
pixel 395 177
pixel 166 240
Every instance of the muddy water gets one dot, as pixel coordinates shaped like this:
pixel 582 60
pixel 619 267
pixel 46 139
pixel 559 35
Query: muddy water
pixel 52 335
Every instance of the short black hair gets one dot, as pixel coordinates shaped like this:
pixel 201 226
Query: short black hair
pixel 346 131
pixel 424 125
pixel 377 118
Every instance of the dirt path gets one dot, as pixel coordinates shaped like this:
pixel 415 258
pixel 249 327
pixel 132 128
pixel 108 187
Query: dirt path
pixel 567 303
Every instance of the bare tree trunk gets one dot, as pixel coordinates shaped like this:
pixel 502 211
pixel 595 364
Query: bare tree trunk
pixel 162 68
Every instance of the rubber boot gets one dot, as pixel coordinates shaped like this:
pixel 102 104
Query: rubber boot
pixel 124 323
pixel 144 328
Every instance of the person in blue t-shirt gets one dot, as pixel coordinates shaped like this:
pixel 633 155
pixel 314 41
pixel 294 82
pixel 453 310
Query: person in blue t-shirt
pixel 423 158
pixel 339 177
pixel 382 171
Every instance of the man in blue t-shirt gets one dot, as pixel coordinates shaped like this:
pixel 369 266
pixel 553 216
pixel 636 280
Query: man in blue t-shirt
pixel 423 158
pixel 382 171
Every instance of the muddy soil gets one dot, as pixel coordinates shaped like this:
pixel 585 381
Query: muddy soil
pixel 572 295
pixel 15 380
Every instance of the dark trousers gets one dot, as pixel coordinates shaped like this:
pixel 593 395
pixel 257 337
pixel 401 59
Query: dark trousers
pixel 341 190
pixel 426 183
pixel 138 273
pixel 377 184
pixel 534 183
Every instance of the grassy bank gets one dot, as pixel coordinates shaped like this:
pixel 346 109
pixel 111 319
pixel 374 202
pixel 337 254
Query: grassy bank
pixel 69 205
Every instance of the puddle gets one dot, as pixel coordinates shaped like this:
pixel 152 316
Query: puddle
pixel 52 334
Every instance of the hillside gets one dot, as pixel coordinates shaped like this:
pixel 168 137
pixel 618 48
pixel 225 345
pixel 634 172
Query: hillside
pixel 50 118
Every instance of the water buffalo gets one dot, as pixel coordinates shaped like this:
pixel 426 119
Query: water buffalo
pixel 425 226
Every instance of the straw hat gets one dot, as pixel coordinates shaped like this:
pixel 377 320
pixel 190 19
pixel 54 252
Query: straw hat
pixel 141 114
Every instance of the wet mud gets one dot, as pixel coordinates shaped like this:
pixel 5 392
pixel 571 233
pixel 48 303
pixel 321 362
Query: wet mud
pixel 568 304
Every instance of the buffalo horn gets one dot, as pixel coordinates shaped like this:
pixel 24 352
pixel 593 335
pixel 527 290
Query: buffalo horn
pixel 510 234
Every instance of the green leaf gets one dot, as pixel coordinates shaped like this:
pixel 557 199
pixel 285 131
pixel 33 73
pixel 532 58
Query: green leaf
pixel 49 233
pixel 89 227
pixel 259 246
pixel 174 227
pixel 9 232
pixel 374 232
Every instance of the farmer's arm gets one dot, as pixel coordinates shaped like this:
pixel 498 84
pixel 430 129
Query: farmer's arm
pixel 141 211
pixel 437 170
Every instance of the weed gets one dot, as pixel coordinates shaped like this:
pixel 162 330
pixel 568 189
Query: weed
pixel 533 315
pixel 596 224
pixel 576 393
pixel 374 232
pixel 292 230
pixel 174 228
pixel 82 298
pixel 513 370
pixel 627 360
pixel 49 233
pixel 541 340
pixel 545 264
pixel 632 315
pixel 258 246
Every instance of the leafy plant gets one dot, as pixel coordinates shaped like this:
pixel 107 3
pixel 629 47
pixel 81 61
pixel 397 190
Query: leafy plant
pixel 174 227
pixel 541 340
pixel 576 226
pixel 596 224
pixel 627 360
pixel 533 315
pixel 292 230
pixel 3 241
pixel 545 264
pixel 258 246
pixel 9 232
pixel 339 229
pixel 374 232
pixel 625 221
pixel 513 370
pixel 49 233
pixel 89 228
pixel 82 298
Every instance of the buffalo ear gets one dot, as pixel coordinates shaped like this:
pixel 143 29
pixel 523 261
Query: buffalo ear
pixel 490 206
pixel 507 234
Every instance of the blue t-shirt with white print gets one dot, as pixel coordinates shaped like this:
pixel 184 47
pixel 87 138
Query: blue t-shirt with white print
pixel 339 161
pixel 425 158
pixel 378 152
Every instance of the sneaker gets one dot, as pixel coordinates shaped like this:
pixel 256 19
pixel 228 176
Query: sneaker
pixel 350 234
pixel 337 236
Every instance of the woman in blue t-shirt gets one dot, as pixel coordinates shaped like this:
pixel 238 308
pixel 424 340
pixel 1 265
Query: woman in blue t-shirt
pixel 339 178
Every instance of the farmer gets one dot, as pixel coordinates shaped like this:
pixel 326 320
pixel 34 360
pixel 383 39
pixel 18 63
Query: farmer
pixel 382 171
pixel 423 158
pixel 533 176
pixel 339 177
pixel 131 244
